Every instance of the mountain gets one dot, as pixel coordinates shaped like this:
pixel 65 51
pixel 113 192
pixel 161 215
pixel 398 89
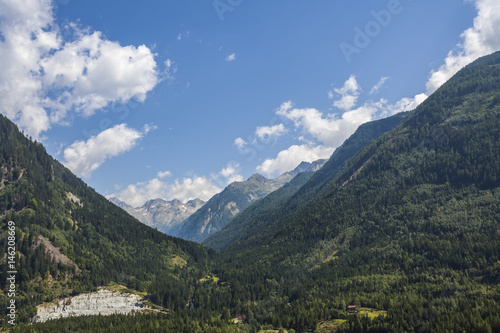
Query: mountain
pixel 404 236
pixel 166 216
pixel 235 198
pixel 70 239
pixel 409 229
pixel 259 214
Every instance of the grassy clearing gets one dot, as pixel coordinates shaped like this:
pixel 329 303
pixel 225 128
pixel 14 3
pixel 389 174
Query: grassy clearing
pixel 113 286
pixel 372 313
pixel 330 326
pixel 179 261
pixel 210 277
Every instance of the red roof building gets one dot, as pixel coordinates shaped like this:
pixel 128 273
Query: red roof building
pixel 352 308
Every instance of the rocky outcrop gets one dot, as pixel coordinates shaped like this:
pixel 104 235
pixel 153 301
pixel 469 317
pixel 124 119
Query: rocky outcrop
pixel 103 302
pixel 73 198
pixel 166 216
pixel 55 253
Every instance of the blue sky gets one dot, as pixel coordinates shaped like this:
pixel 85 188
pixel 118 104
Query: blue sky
pixel 176 99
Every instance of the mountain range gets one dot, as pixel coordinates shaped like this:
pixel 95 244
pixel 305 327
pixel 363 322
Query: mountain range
pixel 398 232
pixel 253 218
pixel 234 199
pixel 196 220
pixel 165 216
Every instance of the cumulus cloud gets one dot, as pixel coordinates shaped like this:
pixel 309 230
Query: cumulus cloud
pixel 321 132
pixel 230 172
pixel 479 40
pixel 45 76
pixel 349 94
pixel 269 132
pixel 137 194
pixel 185 189
pixel 405 104
pixel 289 159
pixel 191 188
pixel 330 129
pixel 84 157
pixel 231 57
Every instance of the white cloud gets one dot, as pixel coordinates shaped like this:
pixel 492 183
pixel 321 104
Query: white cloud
pixel 330 129
pixel 137 194
pixel 231 173
pixel 379 85
pixel 84 157
pixel 231 57
pixel 191 188
pixel 268 132
pixel 481 39
pixel 229 170
pixel 349 94
pixel 406 104
pixel 322 132
pixel 289 159
pixel 185 189
pixel 163 174
pixel 45 77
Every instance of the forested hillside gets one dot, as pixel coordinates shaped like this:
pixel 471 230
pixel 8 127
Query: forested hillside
pixel 264 212
pixel 54 212
pixel 412 226
pixel 407 230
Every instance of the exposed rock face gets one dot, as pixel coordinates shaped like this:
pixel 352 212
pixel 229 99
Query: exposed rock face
pixel 55 253
pixel 103 302
pixel 166 216
pixel 73 198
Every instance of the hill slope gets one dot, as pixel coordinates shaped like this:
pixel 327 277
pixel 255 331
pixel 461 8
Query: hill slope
pixel 410 226
pixel 263 212
pixel 70 239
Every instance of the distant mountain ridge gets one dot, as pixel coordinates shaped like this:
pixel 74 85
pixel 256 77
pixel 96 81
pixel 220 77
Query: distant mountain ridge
pixel 256 217
pixel 235 198
pixel 166 216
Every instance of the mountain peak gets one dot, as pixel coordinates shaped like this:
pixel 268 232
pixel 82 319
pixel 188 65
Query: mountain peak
pixel 257 177
pixel 309 166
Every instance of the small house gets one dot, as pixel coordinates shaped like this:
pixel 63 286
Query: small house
pixel 352 309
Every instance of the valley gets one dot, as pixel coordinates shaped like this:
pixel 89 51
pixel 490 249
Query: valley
pixel 399 231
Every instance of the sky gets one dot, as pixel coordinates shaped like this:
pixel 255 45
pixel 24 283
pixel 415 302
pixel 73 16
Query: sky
pixel 177 99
